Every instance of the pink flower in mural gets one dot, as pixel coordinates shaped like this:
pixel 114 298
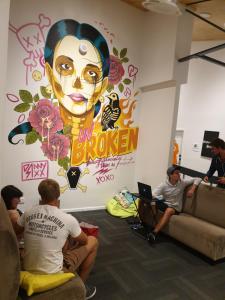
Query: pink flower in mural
pixel 57 146
pixel 45 118
pixel 116 71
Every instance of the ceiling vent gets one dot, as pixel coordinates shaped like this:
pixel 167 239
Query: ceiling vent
pixel 166 7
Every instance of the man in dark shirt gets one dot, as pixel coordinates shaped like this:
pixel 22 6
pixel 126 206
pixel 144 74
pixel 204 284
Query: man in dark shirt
pixel 218 162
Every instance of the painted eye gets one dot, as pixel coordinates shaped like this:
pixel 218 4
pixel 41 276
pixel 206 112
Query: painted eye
pixel 92 73
pixel 66 67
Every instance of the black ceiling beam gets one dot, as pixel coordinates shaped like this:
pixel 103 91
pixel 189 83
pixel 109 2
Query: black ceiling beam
pixel 201 54
pixel 213 60
pixel 198 54
pixel 196 2
pixel 205 20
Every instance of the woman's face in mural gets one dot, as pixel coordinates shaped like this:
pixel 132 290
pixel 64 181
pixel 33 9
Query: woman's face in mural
pixel 77 76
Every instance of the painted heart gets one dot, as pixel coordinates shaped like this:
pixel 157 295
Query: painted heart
pixel 132 70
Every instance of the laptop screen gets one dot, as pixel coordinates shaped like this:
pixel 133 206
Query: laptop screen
pixel 145 191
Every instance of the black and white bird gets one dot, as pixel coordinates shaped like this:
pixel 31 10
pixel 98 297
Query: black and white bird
pixel 111 112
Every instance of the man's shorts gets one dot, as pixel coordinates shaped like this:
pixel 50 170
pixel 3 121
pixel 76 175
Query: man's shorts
pixel 72 258
pixel 162 206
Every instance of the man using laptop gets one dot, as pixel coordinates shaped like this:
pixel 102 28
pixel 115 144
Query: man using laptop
pixel 172 192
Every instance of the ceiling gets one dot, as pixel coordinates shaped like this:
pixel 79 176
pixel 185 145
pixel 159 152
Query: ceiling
pixel 202 31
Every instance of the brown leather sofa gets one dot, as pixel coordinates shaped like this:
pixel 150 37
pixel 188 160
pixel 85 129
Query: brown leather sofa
pixel 201 225
pixel 10 268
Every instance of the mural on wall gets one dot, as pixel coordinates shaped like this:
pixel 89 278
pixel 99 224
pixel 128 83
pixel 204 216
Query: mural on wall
pixel 83 118
pixel 33 170
pixel 31 38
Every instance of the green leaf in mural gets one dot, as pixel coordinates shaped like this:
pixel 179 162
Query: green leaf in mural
pixel 121 87
pixel 44 92
pixel 123 52
pixel 125 60
pixel 64 162
pixel 36 98
pixel 115 51
pixel 31 137
pixel 25 96
pixel 126 81
pixel 110 88
pixel 22 107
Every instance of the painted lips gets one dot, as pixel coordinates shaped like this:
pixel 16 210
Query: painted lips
pixel 76 97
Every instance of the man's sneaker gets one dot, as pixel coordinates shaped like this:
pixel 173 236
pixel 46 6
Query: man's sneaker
pixel 151 237
pixel 90 291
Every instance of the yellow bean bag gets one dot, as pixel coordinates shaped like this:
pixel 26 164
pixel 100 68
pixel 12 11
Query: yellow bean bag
pixel 115 209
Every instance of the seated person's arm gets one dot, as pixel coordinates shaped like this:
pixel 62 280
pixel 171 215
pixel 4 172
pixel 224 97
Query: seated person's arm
pixel 18 229
pixel 191 190
pixel 157 193
pixel 76 233
pixel 14 216
pixel 81 239
pixel 211 171
pixel 19 225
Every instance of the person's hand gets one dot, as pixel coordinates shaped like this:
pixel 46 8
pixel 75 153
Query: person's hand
pixel 206 179
pixel 190 192
pixel 221 180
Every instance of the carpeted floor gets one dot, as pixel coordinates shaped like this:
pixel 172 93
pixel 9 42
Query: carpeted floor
pixel 128 268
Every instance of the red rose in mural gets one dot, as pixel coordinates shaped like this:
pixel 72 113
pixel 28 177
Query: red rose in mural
pixel 116 70
pixel 57 146
pixel 45 118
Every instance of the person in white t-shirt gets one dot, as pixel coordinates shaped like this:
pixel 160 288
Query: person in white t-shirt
pixel 46 232
pixel 172 193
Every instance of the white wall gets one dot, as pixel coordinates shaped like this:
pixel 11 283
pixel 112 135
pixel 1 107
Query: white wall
pixel 158 48
pixel 202 105
pixel 4 21
pixel 169 39
pixel 156 128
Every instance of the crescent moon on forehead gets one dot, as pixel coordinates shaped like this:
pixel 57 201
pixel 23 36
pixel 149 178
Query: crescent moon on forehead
pixel 82 49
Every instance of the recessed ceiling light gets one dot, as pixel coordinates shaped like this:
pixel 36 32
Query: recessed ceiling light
pixel 168 7
pixel 205 15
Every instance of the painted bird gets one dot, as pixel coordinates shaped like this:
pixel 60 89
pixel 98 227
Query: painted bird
pixel 111 112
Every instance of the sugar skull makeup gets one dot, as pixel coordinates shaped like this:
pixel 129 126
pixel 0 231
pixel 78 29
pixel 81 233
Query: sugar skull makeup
pixel 77 76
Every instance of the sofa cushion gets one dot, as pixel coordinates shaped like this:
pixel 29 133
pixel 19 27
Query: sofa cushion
pixel 34 283
pixel 208 203
pixel 198 234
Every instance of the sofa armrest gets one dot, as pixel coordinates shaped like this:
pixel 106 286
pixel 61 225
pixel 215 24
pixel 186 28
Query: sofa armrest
pixel 9 257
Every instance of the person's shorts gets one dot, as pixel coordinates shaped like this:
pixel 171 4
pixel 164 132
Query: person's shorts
pixel 72 258
pixel 162 206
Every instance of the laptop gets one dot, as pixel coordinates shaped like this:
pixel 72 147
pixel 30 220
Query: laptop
pixel 144 192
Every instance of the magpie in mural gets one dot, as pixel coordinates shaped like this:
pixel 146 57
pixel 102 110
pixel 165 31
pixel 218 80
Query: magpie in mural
pixel 111 112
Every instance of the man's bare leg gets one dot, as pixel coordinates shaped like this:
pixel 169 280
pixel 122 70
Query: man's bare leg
pixel 162 222
pixel 87 265
pixel 164 219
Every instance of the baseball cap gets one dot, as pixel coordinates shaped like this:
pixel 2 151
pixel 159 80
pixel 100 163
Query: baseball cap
pixel 171 169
